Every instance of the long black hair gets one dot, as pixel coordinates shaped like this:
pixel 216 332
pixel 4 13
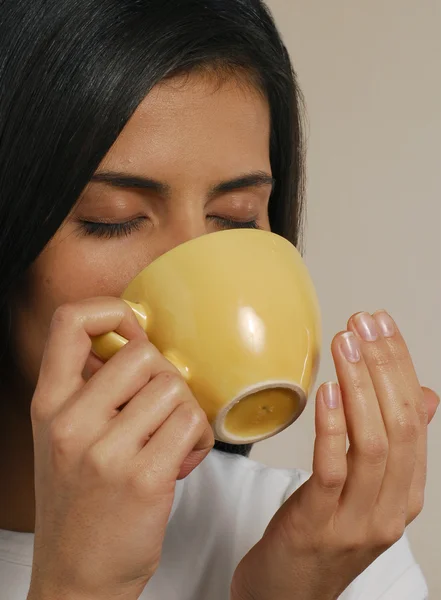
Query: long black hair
pixel 72 72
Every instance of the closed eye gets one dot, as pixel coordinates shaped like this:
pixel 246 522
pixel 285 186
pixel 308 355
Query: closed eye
pixel 115 230
pixel 225 223
pixel 110 230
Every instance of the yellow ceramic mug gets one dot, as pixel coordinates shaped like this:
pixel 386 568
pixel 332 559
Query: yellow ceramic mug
pixel 236 312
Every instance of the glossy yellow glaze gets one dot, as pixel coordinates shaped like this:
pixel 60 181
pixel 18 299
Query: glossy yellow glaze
pixel 262 412
pixel 236 312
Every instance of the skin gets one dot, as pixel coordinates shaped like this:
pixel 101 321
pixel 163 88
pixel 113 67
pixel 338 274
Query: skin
pixel 357 503
pixel 173 138
pixel 339 521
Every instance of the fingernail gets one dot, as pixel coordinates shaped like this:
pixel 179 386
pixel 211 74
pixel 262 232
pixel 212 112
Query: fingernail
pixel 366 326
pixel 385 323
pixel 330 394
pixel 349 347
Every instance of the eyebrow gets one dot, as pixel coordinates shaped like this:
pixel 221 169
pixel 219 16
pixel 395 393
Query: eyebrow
pixel 126 180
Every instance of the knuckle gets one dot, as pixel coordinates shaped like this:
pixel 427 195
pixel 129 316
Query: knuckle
pixel 332 479
pixel 390 533
pixel 96 461
pixel 175 384
pixel 61 432
pixel 388 359
pixel 42 405
pixel 405 429
pixel 374 449
pixel 65 313
pixel 383 359
pixel 38 411
pixel 416 506
pixel 192 416
pixel 201 421
pixel 62 440
pixel 144 351
pixel 140 483
pixel 400 353
pixel 335 428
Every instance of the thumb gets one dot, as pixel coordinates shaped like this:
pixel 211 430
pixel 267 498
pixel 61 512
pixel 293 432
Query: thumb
pixel 432 402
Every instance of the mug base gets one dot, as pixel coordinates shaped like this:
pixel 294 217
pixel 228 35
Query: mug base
pixel 260 412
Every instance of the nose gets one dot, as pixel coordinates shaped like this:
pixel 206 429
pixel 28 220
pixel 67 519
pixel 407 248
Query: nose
pixel 181 228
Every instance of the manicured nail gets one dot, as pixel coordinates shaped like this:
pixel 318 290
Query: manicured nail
pixel 349 346
pixel 385 323
pixel 366 326
pixel 331 395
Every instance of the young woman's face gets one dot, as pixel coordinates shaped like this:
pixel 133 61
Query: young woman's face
pixel 188 136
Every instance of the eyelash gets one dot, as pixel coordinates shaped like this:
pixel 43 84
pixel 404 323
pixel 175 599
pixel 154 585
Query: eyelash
pixel 110 230
pixel 232 224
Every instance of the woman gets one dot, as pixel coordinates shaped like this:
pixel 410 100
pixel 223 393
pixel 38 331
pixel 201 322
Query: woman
pixel 126 128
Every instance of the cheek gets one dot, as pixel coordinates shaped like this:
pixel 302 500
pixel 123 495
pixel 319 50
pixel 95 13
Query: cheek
pixel 61 274
pixel 82 268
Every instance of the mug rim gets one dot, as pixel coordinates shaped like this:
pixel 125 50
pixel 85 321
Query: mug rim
pixel 202 239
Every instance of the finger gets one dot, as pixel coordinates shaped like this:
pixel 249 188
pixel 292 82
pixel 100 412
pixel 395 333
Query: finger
pixel 121 377
pixel 68 346
pixel 418 484
pixel 150 408
pixel 400 399
pixel 132 428
pixel 113 388
pixel 195 457
pixel 417 487
pixel 319 496
pixel 368 448
pixel 432 401
pixel 178 446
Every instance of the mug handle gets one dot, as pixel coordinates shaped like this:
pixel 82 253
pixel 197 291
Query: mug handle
pixel 108 344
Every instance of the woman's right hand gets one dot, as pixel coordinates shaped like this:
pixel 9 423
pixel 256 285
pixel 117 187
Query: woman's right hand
pixel 105 474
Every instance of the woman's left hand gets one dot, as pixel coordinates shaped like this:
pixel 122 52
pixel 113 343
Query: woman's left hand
pixel 357 503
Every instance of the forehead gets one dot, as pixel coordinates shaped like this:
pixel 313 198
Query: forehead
pixel 196 119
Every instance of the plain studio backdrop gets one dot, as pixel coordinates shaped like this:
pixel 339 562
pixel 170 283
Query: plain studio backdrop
pixel 371 75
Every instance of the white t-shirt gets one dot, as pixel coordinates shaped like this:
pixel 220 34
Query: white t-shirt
pixel 220 511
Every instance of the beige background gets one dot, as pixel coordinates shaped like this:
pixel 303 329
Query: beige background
pixel 371 74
